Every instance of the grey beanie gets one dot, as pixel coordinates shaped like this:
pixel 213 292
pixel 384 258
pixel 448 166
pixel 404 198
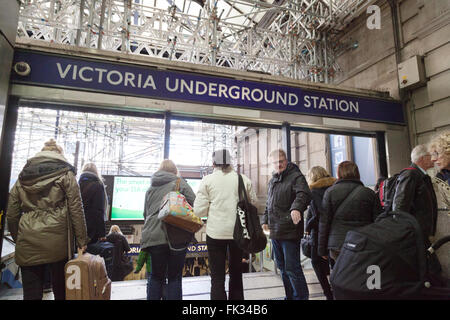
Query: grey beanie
pixel 221 157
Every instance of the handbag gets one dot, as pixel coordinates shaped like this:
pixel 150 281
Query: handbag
pixel 178 220
pixel 248 233
pixel 176 211
pixel 306 241
pixel 306 244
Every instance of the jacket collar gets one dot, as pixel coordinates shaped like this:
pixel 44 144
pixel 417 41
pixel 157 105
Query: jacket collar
pixel 323 183
pixel 349 181
pixel 291 167
pixel 413 165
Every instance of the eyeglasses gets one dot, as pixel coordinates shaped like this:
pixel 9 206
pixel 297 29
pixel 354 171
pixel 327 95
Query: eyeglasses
pixel 435 154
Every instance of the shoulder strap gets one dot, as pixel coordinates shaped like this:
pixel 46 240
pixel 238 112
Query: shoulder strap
pixel 347 200
pixel 242 192
pixel 177 185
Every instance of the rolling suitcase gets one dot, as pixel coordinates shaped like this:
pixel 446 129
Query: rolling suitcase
pixel 86 278
pixel 105 250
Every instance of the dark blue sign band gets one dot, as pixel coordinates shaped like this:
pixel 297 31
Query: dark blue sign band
pixel 99 76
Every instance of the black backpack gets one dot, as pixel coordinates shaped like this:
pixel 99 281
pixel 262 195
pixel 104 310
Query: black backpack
pixel 248 233
pixel 384 260
pixel 386 190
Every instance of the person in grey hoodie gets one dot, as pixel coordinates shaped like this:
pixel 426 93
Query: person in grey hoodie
pixel 166 263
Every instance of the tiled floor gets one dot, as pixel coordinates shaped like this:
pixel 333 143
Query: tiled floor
pixel 257 286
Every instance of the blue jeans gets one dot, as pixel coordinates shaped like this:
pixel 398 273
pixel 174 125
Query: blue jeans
pixel 287 258
pixel 166 264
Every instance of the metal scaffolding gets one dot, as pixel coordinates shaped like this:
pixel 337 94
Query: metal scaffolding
pixel 290 38
pixel 119 145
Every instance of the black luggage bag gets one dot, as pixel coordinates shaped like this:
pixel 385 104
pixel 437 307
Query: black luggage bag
pixel 384 260
pixel 105 250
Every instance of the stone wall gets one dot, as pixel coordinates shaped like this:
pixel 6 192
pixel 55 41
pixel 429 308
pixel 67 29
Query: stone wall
pixel 424 31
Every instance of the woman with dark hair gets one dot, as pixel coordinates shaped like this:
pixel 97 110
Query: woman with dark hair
pixel 347 205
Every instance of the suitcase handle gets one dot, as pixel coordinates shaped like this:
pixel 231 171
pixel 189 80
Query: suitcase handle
pixel 80 252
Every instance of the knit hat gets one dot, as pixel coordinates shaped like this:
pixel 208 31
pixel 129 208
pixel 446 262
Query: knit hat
pixel 221 157
pixel 51 145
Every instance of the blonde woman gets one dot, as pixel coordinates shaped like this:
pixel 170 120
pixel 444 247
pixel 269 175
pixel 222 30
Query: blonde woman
pixel 439 148
pixel 440 155
pixel 95 201
pixel 166 263
pixel 121 262
pixel 319 180
pixel 44 198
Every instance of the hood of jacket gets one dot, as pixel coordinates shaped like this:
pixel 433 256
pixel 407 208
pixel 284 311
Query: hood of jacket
pixel 42 170
pixel 323 183
pixel 89 176
pixel 161 178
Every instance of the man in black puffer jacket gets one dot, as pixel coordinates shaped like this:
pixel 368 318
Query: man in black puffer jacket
pixel 288 197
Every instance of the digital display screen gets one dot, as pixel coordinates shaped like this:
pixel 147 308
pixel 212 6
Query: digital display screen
pixel 194 184
pixel 128 197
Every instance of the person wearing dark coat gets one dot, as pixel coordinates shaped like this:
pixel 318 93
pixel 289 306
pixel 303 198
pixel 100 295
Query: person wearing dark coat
pixel 414 192
pixel 94 199
pixel 361 208
pixel 319 181
pixel 121 262
pixel 287 199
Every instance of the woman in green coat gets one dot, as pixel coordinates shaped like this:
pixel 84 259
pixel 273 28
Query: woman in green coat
pixel 44 211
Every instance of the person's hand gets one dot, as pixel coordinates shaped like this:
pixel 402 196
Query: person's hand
pixel 265 227
pixel 325 257
pixel 102 239
pixel 296 216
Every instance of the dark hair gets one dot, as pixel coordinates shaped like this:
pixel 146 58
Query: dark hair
pixel 348 170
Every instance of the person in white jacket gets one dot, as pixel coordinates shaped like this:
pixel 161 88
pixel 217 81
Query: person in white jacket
pixel 217 199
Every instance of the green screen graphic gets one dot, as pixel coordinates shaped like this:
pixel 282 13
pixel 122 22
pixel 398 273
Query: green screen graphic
pixel 129 197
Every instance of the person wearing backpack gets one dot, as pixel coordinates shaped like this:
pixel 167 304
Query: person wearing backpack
pixel 166 263
pixel 287 199
pixel 347 205
pixel 414 192
pixel 217 198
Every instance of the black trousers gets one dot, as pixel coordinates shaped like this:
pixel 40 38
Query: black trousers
pixel 217 254
pixel 33 279
pixel 322 270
